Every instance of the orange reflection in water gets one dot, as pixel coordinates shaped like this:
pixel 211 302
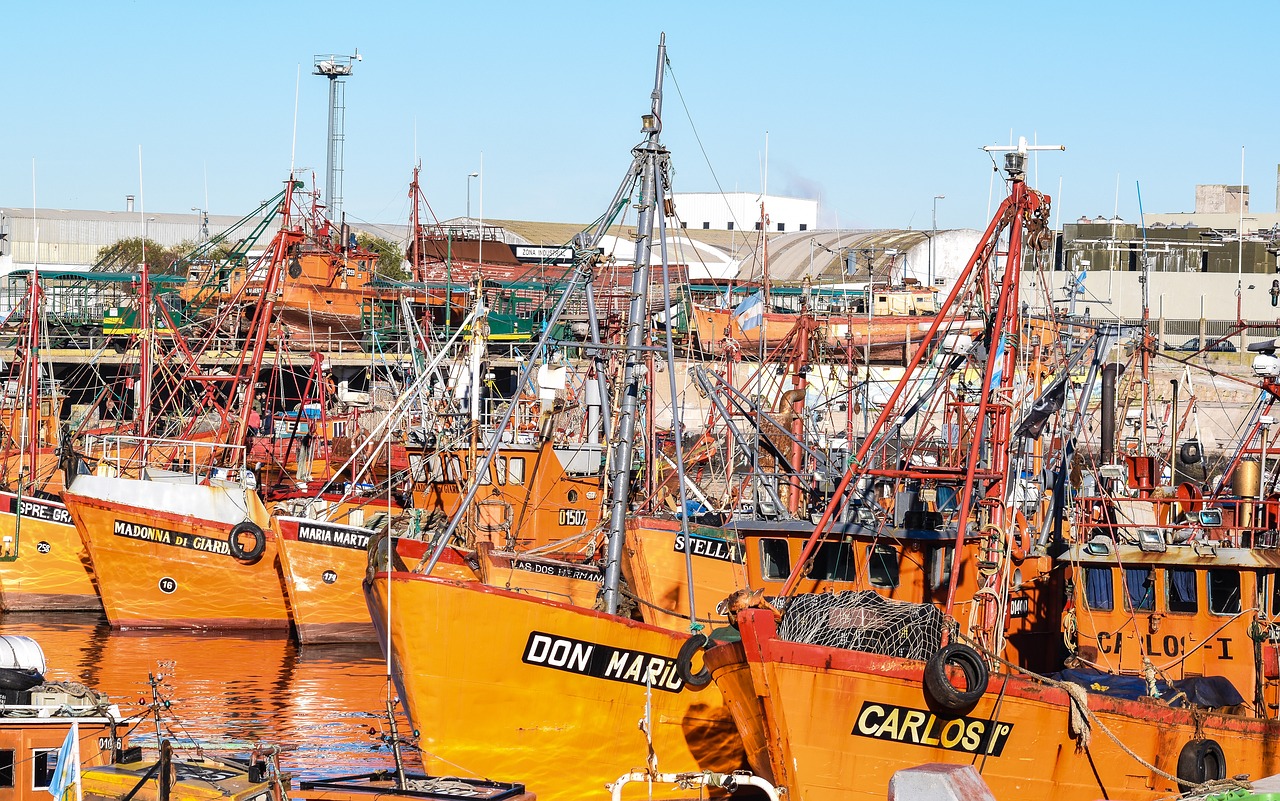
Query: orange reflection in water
pixel 318 703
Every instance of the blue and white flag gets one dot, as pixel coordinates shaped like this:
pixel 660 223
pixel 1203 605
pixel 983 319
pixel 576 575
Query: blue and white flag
pixel 67 774
pixel 750 312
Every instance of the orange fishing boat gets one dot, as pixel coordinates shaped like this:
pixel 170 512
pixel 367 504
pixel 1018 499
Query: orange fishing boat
pixel 877 718
pixel 898 317
pixel 908 682
pixel 557 579
pixel 50 571
pixel 553 684
pixel 320 296
pixel 324 544
pixel 179 554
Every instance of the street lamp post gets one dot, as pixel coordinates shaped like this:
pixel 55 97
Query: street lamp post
pixel 469 177
pixel 934 235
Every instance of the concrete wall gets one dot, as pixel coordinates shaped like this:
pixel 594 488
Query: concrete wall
pixel 951 252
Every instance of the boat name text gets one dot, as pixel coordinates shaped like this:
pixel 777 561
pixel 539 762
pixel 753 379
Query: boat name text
pixel 711 548
pixel 41 510
pixel 903 724
pixel 602 661
pixel 336 536
pixel 559 571
pixel 164 536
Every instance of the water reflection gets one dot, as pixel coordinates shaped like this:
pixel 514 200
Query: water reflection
pixel 320 702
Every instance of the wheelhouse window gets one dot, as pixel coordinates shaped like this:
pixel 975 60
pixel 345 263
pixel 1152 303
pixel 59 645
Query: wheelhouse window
pixel 1224 591
pixel 833 561
pixel 6 767
pixel 940 557
pixel 775 559
pixel 882 565
pixel 1139 589
pixel 43 765
pixel 1099 591
pixel 509 471
pixel 1181 585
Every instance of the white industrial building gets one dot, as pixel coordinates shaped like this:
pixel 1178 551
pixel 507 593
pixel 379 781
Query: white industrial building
pixel 740 211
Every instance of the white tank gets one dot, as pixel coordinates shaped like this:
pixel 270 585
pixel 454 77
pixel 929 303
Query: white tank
pixel 21 653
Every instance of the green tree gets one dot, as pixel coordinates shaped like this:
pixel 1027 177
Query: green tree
pixel 126 255
pixel 390 256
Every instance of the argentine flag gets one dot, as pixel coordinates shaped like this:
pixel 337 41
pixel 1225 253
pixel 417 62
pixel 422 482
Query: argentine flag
pixel 67 774
pixel 750 312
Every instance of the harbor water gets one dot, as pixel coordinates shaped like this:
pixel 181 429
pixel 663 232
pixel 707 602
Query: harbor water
pixel 324 705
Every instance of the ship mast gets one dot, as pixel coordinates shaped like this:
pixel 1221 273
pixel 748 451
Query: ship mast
pixel 648 156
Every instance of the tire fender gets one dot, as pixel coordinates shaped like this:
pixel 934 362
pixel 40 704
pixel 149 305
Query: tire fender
pixel 684 661
pixel 1201 761
pixel 937 682
pixel 253 554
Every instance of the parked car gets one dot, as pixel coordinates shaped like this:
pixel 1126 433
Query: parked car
pixel 1215 346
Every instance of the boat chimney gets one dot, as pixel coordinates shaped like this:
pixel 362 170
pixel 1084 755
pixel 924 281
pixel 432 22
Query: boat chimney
pixel 1107 453
pixel 128 203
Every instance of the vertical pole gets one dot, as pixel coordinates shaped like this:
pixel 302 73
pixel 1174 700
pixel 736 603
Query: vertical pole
pixel 636 325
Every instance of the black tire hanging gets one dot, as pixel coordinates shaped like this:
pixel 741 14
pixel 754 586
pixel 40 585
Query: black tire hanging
pixel 1201 761
pixel 937 683
pixel 1190 453
pixel 684 661
pixel 251 555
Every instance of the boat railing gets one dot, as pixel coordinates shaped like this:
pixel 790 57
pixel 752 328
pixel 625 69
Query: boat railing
pixel 159 458
pixel 1155 522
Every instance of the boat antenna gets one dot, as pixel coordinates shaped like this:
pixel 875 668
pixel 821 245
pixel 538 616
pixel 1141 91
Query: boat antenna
pixel 293 146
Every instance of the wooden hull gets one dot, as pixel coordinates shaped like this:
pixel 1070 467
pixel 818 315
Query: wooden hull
pixel 515 687
pixel 888 334
pixel 822 723
pixel 160 554
pixel 540 577
pixel 323 565
pixel 52 572
pixel 656 570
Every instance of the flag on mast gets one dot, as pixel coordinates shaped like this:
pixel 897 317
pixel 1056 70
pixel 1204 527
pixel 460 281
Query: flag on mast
pixel 67 774
pixel 750 312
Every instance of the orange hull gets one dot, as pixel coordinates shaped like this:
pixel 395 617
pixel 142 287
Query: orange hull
pixel 554 579
pixel 52 572
pixel 323 565
pixel 514 688
pixel 159 567
pixel 655 568
pixel 889 334
pixel 828 723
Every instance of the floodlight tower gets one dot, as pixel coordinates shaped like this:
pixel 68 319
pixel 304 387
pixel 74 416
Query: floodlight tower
pixel 335 68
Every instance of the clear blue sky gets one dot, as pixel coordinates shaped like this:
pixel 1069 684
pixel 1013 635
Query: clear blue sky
pixel 873 107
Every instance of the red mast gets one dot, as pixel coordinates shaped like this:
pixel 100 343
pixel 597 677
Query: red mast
pixel 989 289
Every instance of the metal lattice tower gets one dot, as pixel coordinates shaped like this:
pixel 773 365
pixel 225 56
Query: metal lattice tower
pixel 335 68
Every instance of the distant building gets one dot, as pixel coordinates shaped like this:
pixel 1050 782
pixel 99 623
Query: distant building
pixel 740 211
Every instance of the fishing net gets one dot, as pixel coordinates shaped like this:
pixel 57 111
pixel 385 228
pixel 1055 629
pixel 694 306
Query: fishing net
pixel 863 621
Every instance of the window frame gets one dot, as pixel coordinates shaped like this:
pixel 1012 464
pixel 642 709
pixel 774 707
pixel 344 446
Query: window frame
pixel 1088 570
pixel 766 558
pixel 1168 591
pixel 1151 576
pixel 876 554
pixel 40 764
pixel 1239 590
